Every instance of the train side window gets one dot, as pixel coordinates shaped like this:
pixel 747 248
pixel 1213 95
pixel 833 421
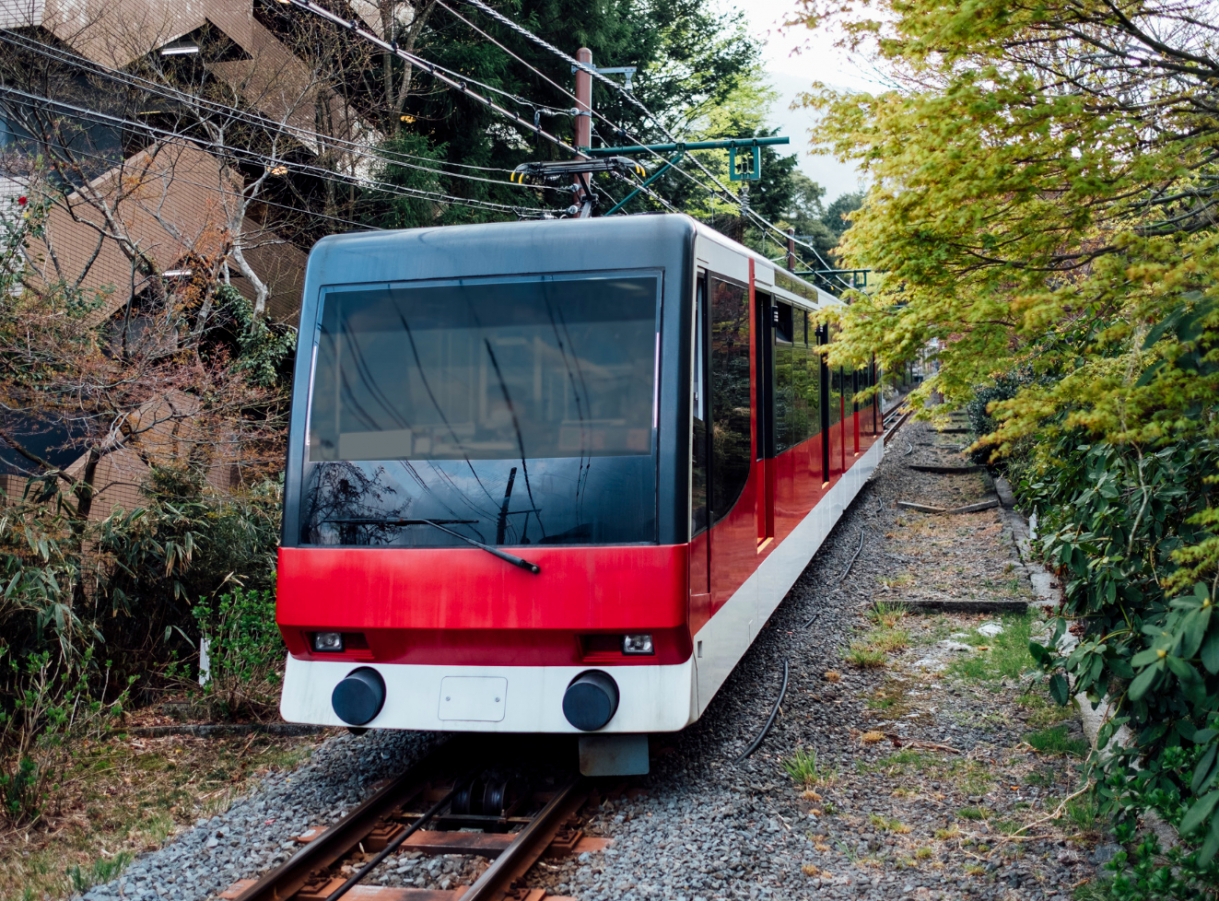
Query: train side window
pixel 791 422
pixel 699 514
pixel 836 392
pixel 730 394
pixel 810 379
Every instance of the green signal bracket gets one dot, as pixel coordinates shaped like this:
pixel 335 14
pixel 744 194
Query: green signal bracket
pixel 744 168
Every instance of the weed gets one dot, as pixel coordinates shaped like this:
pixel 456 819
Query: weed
pixel 1007 658
pixel 103 870
pixel 1054 740
pixel 975 870
pixel 888 615
pixel 888 640
pixel 804 769
pixel 1084 812
pixel 903 761
pixel 829 809
pixel 885 824
pixel 1041 711
pixel 924 854
pixel 974 813
pixel 864 657
pixel 948 834
pixel 1040 778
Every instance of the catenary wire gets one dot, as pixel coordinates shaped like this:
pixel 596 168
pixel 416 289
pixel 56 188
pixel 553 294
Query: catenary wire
pixel 460 82
pixel 727 194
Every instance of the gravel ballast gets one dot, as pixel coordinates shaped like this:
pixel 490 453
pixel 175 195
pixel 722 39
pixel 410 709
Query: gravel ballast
pixel 925 786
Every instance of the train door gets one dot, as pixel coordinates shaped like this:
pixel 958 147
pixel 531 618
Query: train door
pixel 700 450
pixel 827 417
pixel 764 425
pixel 733 533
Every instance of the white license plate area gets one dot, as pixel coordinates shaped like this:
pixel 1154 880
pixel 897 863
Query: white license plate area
pixel 477 698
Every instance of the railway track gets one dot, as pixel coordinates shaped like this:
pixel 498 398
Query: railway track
pixel 450 804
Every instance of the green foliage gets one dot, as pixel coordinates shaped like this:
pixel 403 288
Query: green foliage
pixel 49 701
pixel 1007 656
pixel 264 348
pixel 804 768
pixel 245 652
pixel 104 869
pixel 1043 219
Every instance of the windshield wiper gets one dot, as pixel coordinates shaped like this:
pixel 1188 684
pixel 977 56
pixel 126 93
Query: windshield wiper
pixel 436 524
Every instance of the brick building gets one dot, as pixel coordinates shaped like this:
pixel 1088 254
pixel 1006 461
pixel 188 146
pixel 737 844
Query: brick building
pixel 145 206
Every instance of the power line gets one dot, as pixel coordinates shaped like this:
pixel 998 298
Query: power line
pixel 301 134
pixel 727 194
pixel 395 190
pixel 218 187
pixel 452 79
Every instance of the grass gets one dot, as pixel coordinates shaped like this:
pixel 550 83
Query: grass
pixel 126 795
pixel 900 762
pixel 887 637
pixel 865 657
pixel 887 615
pixel 886 824
pixel 889 698
pixel 974 813
pixel 1041 711
pixel 1040 778
pixel 1055 740
pixel 804 768
pixel 899 581
pixel 1007 658
pixel 1084 812
pixel 972 777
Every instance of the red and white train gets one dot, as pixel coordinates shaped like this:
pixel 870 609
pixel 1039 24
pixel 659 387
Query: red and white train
pixel 552 476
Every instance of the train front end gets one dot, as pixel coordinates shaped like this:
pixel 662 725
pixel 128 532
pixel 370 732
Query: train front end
pixel 483 503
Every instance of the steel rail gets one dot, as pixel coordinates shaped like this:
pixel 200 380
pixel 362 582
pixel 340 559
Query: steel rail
pixel 336 842
pixel 529 845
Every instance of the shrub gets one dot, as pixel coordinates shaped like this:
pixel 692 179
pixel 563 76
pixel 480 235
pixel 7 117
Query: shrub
pixel 245 653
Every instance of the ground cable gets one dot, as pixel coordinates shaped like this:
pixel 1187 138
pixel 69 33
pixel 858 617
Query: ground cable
pixel 770 720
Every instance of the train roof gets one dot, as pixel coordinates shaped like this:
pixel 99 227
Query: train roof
pixel 509 247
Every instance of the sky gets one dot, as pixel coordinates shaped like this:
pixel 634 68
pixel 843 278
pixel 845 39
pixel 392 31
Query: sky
pixel 791 73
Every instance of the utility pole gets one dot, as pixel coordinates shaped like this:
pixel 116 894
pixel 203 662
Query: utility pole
pixel 584 129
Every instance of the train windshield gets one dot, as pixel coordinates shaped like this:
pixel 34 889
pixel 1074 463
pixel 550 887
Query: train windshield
pixel 510 412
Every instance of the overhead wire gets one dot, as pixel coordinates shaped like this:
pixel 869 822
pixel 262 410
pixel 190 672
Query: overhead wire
pixel 727 194
pixel 245 153
pixel 461 82
pixel 296 132
pixel 452 79
pixel 218 187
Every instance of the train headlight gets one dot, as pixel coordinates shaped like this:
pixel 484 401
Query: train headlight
pixel 328 642
pixel 637 644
